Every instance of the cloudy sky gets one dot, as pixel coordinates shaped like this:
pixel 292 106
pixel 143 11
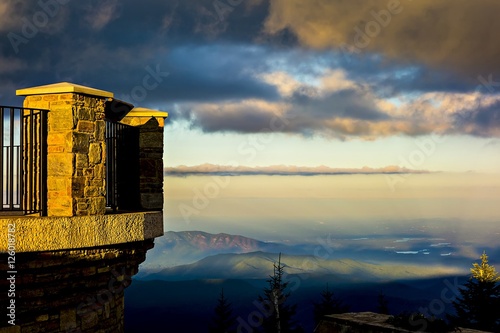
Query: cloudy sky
pixel 344 84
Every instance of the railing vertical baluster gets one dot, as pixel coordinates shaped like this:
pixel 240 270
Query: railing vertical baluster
pixel 115 134
pixel 43 162
pixel 10 181
pixel 23 160
pixel 1 157
pixel 30 167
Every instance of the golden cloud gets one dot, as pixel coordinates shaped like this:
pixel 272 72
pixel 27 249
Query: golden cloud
pixel 460 35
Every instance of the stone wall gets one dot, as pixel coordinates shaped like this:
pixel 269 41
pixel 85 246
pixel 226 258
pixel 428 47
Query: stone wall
pixel 151 165
pixel 76 153
pixel 52 233
pixel 75 291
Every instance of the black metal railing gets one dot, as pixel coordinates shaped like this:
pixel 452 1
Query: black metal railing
pixel 122 166
pixel 23 160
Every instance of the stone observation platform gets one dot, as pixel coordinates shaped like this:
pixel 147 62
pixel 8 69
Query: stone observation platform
pixel 96 180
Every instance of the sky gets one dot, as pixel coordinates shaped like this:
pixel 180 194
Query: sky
pixel 261 83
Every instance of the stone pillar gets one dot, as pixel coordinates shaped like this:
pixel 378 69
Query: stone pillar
pixel 76 147
pixel 151 165
pixel 150 123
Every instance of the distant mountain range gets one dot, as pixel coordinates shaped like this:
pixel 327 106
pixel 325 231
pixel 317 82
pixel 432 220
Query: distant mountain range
pixel 180 248
pixel 200 255
pixel 186 271
pixel 259 265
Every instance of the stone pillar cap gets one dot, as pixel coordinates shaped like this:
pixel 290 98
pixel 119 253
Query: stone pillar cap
pixel 61 88
pixel 145 112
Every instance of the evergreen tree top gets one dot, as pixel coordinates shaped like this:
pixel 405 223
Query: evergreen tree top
pixel 484 272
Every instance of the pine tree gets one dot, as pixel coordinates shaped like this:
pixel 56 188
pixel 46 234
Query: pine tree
pixel 279 318
pixel 478 305
pixel 329 305
pixel 223 320
pixel 484 272
pixel 383 304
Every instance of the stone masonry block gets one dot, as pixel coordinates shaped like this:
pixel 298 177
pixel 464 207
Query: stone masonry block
pixel 58 139
pixel 33 98
pixel 89 320
pixel 60 164
pixel 100 130
pixel 92 191
pixel 83 113
pixel 36 104
pixel 66 97
pixel 78 187
pixel 82 205
pixel 97 205
pixel 55 149
pixel 151 140
pixel 58 184
pixel 82 161
pixel 95 153
pixel 85 126
pixel 50 98
pixel 100 171
pixel 67 319
pixel 88 172
pixel 58 103
pixel 81 142
pixel 60 120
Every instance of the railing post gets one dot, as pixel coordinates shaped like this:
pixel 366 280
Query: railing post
pixel 43 159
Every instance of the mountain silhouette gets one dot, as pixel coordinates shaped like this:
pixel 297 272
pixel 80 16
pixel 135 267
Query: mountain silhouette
pixel 257 265
pixel 185 247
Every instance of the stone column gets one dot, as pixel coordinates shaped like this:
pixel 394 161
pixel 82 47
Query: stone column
pixel 76 147
pixel 150 123
pixel 151 165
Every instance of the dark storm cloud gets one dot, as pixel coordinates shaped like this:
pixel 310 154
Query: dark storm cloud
pixel 108 44
pixel 395 78
pixel 347 103
pixel 242 119
pixel 213 73
pixel 208 59
pixel 458 35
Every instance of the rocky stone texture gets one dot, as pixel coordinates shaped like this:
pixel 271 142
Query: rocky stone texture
pixel 363 322
pixel 75 291
pixel 59 233
pixel 76 153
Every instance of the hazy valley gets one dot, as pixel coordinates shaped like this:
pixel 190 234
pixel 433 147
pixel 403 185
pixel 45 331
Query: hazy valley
pixel 186 271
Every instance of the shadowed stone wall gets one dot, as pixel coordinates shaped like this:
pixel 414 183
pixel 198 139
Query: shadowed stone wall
pixel 74 291
pixel 151 165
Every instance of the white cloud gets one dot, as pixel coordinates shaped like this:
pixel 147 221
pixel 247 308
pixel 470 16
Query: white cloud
pixel 341 108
